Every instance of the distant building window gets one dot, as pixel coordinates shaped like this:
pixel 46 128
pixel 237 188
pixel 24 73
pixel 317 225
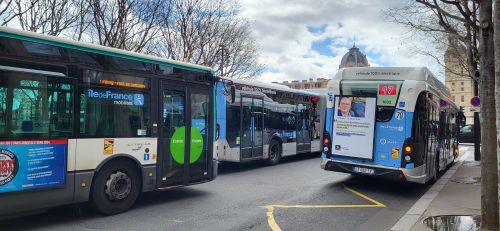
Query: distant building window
pixel 462 98
pixel 453 89
pixel 462 89
pixel 462 83
pixel 453 84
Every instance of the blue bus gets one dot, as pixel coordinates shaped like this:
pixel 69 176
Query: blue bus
pixel 265 121
pixel 397 123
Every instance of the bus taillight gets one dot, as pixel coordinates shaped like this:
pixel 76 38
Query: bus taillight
pixel 408 149
pixel 407 152
pixel 326 144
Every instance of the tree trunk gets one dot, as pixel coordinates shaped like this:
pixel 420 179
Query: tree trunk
pixel 489 174
pixel 496 39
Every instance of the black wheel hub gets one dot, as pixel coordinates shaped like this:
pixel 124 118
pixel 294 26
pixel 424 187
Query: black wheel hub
pixel 118 186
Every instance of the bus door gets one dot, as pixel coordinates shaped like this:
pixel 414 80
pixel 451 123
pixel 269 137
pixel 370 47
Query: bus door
pixel 184 134
pixel 303 133
pixel 432 138
pixel 252 126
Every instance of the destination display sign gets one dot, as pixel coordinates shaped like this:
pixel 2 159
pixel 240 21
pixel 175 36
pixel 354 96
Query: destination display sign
pixel 118 80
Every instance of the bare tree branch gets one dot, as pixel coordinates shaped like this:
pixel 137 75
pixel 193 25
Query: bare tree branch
pixel 202 31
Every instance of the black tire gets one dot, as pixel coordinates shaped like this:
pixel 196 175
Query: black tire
pixel 275 150
pixel 122 175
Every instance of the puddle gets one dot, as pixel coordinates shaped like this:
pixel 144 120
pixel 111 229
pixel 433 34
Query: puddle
pixel 472 164
pixel 452 223
pixel 466 180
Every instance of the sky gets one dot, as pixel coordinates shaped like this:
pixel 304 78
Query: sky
pixel 302 39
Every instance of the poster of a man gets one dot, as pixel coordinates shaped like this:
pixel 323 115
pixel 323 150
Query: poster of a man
pixel 351 107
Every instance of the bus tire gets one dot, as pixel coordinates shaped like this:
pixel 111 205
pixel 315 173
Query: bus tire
pixel 275 150
pixel 116 187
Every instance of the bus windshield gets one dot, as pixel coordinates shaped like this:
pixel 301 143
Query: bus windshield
pixel 387 93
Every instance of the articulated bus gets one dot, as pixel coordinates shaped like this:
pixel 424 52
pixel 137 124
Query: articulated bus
pixel 82 122
pixel 264 121
pixel 397 123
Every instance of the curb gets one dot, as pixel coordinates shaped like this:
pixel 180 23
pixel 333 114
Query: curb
pixel 413 215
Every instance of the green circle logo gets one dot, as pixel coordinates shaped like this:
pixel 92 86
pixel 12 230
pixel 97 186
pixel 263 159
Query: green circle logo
pixel 177 145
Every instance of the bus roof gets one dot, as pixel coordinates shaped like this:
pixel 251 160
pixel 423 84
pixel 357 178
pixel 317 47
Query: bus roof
pixel 104 50
pixel 273 86
pixel 392 73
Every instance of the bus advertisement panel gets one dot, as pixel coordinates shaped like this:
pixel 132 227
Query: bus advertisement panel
pixel 32 164
pixel 354 123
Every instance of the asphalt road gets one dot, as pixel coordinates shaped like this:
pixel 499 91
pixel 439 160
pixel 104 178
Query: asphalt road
pixel 294 195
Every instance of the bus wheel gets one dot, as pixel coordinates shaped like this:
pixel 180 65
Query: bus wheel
pixel 115 188
pixel 274 152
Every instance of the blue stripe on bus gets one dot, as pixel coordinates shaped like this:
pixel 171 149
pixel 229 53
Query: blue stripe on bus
pixel 328 126
pixel 221 111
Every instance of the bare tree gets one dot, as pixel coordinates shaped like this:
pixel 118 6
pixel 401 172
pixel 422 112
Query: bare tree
pixel 443 25
pixel 5 13
pixel 124 24
pixel 82 20
pixel 469 25
pixel 44 16
pixel 489 136
pixel 208 33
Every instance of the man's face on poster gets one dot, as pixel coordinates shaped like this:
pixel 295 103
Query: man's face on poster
pixel 345 105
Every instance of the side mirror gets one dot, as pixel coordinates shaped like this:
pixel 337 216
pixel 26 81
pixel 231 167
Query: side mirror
pixel 233 93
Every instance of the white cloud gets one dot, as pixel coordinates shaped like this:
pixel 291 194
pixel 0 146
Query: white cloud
pixel 281 30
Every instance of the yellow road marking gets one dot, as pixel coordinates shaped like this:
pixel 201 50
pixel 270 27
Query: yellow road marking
pixel 364 196
pixel 270 219
pixel 275 227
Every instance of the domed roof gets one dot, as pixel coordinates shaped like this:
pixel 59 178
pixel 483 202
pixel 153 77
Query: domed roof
pixel 354 58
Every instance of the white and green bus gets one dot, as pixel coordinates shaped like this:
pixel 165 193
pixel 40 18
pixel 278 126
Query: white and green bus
pixel 82 122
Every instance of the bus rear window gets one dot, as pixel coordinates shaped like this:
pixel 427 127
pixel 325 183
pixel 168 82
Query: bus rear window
pixel 387 93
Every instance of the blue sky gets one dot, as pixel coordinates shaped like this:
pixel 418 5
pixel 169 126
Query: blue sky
pixel 300 39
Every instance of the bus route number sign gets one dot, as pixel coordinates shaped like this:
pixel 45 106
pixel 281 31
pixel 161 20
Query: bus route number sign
pixel 387 90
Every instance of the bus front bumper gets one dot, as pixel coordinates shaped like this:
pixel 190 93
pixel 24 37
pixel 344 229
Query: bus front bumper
pixel 412 175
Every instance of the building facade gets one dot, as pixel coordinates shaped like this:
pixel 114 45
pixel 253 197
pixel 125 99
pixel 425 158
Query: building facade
pixel 459 82
pixel 353 58
pixel 306 84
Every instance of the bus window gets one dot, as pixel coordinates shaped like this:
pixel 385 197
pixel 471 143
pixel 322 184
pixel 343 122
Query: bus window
pixel 38 106
pixel 105 111
pixel 387 93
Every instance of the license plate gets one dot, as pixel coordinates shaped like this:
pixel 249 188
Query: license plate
pixel 364 170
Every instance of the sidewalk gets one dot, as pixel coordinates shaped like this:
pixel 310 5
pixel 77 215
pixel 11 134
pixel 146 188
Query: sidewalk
pixel 450 195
